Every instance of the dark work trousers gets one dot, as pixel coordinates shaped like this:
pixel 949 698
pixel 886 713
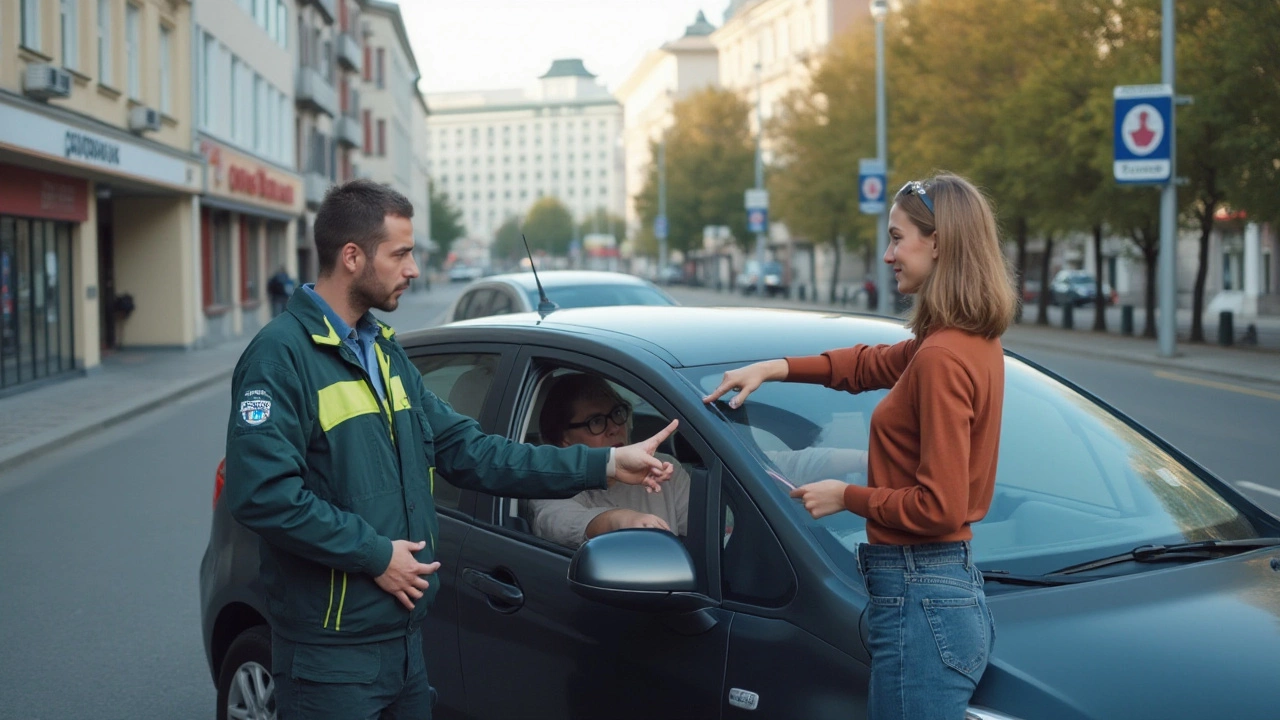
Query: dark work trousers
pixel 376 681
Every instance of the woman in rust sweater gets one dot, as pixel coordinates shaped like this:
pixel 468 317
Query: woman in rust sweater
pixel 932 452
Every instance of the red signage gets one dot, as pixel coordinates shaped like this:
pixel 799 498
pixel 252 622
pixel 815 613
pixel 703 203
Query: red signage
pixel 251 182
pixel 37 194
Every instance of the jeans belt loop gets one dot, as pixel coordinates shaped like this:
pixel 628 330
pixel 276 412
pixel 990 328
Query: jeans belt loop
pixel 909 556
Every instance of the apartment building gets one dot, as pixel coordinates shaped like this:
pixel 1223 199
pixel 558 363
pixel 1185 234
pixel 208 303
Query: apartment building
pixel 317 111
pixel 99 187
pixel 666 75
pixel 496 152
pixel 253 197
pixel 394 115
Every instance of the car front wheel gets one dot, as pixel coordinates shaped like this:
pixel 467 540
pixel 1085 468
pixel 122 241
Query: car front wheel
pixel 245 687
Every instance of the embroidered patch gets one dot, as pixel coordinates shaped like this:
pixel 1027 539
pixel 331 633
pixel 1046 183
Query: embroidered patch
pixel 255 407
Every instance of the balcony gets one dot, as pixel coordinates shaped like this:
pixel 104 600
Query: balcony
pixel 327 8
pixel 315 92
pixel 349 54
pixel 315 185
pixel 350 133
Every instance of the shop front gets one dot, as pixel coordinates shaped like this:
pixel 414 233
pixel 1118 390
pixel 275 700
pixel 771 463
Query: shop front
pixel 97 242
pixel 248 228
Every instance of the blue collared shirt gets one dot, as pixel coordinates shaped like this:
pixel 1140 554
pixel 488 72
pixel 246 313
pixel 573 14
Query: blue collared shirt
pixel 361 339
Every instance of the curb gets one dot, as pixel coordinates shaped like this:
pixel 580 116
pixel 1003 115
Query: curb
pixel 30 449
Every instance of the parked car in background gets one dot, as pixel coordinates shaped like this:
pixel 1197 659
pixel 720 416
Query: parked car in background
pixel 774 283
pixel 1126 581
pixel 1078 287
pixel 672 274
pixel 1030 291
pixel 465 273
pixel 518 292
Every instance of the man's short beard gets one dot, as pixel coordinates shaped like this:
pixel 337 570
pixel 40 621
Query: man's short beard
pixel 363 294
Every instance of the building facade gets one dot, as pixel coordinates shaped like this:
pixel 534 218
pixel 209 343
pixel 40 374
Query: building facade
pixel 394 115
pixel 253 196
pixel 496 152
pixel 317 111
pixel 99 187
pixel 665 76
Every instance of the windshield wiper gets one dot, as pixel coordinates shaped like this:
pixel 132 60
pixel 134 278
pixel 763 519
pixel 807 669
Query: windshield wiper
pixel 1004 576
pixel 1179 551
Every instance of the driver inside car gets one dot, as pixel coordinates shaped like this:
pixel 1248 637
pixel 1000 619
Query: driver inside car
pixel 584 409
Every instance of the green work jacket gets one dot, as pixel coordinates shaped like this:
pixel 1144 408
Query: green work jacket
pixel 328 474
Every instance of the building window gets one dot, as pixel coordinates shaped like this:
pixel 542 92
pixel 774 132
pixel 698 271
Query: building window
pixel 367 122
pixel 104 42
pixel 166 61
pixel 382 138
pixel 382 68
pixel 133 50
pixel 31 24
pixel 237 111
pixel 282 25
pixel 70 16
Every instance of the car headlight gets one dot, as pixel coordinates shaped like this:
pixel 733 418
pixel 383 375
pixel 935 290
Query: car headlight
pixel 981 713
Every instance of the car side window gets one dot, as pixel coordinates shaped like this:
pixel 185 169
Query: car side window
pixel 502 304
pixel 477 305
pixel 564 522
pixel 464 380
pixel 753 566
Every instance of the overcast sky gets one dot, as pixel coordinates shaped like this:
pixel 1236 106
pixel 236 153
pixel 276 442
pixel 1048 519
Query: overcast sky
pixel 491 44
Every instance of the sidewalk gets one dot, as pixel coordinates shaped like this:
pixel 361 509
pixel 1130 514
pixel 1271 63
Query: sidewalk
pixel 128 383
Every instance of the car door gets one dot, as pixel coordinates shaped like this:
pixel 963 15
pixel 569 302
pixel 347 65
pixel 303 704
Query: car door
pixel 470 377
pixel 531 647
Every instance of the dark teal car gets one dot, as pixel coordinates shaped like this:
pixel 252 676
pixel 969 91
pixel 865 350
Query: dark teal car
pixel 1126 581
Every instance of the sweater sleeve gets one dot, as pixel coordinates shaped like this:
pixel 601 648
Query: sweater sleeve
pixel 938 502
pixel 855 369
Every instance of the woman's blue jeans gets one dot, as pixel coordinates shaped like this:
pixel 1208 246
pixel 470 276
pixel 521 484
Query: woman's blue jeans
pixel 929 630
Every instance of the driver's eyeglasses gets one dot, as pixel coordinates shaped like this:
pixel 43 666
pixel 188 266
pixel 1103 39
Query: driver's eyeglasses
pixel 915 187
pixel 596 424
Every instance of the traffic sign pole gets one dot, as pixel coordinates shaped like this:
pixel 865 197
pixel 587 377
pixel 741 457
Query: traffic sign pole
pixel 1167 325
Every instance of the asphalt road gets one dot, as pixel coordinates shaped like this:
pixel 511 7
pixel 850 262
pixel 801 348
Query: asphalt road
pixel 100 542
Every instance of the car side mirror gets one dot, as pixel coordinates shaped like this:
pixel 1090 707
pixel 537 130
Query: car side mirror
pixel 638 569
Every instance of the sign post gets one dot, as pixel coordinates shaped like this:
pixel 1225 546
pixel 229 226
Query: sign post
pixel 1143 137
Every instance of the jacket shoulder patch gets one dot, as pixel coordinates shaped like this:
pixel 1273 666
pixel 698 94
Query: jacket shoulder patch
pixel 255 407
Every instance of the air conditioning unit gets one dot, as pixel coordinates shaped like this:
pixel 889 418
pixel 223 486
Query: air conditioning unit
pixel 44 81
pixel 143 119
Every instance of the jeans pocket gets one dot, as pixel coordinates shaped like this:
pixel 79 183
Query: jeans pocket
pixel 960 629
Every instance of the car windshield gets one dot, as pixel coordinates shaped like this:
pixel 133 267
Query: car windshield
pixel 577 296
pixel 1074 482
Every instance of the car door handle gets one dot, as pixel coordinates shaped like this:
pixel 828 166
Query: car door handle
pixel 491 586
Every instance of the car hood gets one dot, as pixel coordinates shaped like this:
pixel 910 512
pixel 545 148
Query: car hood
pixel 1198 640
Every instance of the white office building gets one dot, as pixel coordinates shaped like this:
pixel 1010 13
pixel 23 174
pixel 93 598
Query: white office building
pixel 496 152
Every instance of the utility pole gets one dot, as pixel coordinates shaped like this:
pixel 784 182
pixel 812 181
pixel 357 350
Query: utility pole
pixel 759 179
pixel 661 229
pixel 1167 322
pixel 879 9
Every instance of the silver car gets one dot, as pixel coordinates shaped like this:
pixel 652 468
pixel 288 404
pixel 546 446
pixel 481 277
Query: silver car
pixel 518 292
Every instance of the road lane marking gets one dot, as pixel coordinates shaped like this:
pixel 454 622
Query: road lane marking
pixel 1217 385
pixel 1258 488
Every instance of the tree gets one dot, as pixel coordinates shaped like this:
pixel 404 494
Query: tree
pixel 710 161
pixel 603 221
pixel 820 135
pixel 507 243
pixel 446 223
pixel 549 226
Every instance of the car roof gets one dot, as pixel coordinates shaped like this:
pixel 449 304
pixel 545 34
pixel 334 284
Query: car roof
pixel 701 335
pixel 563 278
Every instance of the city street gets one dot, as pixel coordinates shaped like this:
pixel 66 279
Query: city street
pixel 103 538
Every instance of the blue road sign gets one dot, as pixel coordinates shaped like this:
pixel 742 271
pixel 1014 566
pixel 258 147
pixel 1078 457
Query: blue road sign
pixel 757 220
pixel 660 227
pixel 871 186
pixel 1143 147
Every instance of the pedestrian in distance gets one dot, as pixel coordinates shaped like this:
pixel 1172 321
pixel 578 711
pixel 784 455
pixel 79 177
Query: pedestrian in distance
pixel 279 289
pixel 933 447
pixel 334 446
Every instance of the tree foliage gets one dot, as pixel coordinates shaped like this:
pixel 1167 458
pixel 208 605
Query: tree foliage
pixel 446 223
pixel 603 221
pixel 507 243
pixel 710 162
pixel 549 226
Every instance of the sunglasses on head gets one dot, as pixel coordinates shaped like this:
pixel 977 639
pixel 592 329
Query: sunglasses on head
pixel 596 424
pixel 915 187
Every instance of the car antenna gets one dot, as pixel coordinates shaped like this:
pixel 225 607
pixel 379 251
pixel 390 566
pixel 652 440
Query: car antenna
pixel 545 306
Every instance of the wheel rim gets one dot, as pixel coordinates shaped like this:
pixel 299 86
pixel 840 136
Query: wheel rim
pixel 252 695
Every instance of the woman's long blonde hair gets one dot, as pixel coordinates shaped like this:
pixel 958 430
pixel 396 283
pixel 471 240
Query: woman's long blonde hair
pixel 971 286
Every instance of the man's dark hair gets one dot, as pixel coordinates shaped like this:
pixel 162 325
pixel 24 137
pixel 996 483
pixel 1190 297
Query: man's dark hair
pixel 557 409
pixel 355 212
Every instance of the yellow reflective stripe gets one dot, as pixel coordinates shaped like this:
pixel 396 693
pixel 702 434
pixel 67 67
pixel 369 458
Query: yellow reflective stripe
pixel 330 608
pixel 387 331
pixel 337 625
pixel 344 400
pixel 384 366
pixel 330 339
pixel 399 398
pixel 432 484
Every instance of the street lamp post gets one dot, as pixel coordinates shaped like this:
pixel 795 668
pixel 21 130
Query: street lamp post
pixel 662 203
pixel 879 9
pixel 759 181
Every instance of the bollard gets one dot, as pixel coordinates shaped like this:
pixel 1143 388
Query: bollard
pixel 1068 316
pixel 1226 331
pixel 1126 319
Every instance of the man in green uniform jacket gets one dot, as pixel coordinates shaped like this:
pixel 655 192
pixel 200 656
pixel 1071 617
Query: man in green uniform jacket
pixel 333 449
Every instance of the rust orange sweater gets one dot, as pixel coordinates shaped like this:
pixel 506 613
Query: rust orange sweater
pixel 934 438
